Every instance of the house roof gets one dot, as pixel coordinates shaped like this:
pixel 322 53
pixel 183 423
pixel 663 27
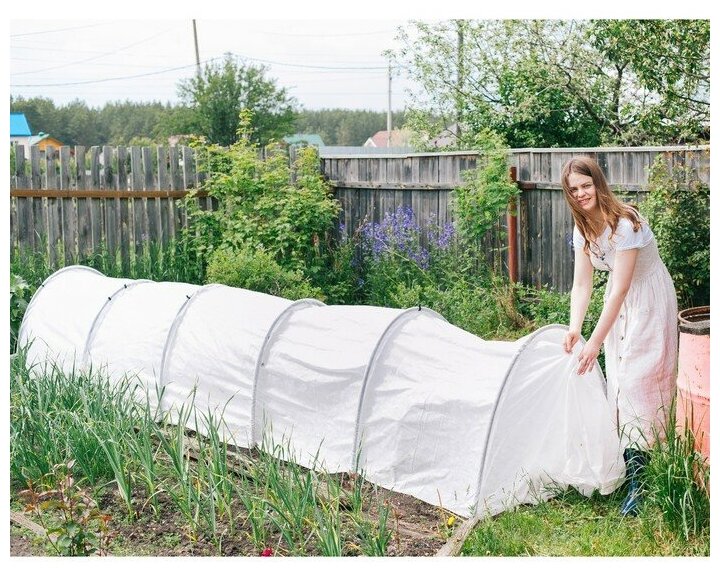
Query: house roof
pixel 19 126
pixel 400 137
pixel 309 138
pixel 35 139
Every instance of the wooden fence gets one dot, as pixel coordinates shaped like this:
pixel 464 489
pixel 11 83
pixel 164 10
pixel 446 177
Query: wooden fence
pixel 125 198
pixel 370 186
pixel 71 201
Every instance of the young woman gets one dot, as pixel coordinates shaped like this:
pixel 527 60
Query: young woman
pixel 638 323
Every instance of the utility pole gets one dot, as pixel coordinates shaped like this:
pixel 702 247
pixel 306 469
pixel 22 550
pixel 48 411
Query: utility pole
pixel 197 51
pixel 459 103
pixel 389 112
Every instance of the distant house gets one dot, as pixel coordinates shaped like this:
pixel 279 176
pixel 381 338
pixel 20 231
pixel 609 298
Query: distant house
pixel 394 138
pixel 446 138
pixel 20 132
pixel 21 135
pixel 304 139
pixel 44 140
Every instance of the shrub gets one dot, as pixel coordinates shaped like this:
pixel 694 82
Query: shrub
pixel 20 294
pixel 678 210
pixel 257 270
pixel 487 190
pixel 263 203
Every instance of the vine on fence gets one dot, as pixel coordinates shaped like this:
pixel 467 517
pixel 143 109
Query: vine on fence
pixel 487 191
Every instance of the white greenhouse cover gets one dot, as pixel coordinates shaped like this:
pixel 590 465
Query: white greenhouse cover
pixel 418 405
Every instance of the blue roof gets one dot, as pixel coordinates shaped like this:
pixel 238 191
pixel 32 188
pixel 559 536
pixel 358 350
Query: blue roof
pixel 19 125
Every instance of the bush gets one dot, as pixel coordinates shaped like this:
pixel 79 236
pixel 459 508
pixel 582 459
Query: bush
pixel 257 270
pixel 20 294
pixel 264 203
pixel 678 210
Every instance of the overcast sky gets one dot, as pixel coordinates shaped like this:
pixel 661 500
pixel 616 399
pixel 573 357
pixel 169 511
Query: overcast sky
pixel 322 63
pixel 327 53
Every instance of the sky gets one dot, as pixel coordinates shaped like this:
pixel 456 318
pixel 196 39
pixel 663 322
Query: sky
pixel 327 54
pixel 322 63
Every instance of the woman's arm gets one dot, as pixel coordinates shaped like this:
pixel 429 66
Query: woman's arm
pixel 622 277
pixel 579 297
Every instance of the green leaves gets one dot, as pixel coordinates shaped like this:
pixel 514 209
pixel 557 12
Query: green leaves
pixel 283 213
pixel 487 190
pixel 224 89
pixel 678 210
pixel 560 83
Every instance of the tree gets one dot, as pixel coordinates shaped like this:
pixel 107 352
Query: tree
pixel 562 83
pixel 224 89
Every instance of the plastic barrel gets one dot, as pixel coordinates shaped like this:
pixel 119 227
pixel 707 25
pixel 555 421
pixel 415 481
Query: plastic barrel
pixel 693 381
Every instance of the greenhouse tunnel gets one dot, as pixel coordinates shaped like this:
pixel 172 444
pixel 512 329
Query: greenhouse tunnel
pixel 418 405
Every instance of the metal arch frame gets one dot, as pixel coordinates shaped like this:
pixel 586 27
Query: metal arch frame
pixel 172 333
pixel 100 316
pixel 401 318
pixel 260 362
pixel 44 283
pixel 500 395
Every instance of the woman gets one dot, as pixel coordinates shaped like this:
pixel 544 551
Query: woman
pixel 638 323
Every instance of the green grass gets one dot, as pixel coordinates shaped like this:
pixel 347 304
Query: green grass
pixel 573 525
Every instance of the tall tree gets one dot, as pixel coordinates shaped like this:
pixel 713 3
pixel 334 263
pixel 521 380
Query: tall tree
pixel 224 89
pixel 562 83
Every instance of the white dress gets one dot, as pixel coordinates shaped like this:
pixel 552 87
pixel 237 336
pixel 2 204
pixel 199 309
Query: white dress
pixel 641 348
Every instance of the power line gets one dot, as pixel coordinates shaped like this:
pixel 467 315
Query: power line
pixel 101 55
pixel 60 30
pixel 102 80
pixel 322 35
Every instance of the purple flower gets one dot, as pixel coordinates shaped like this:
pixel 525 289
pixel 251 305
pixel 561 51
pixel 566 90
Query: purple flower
pixel 399 233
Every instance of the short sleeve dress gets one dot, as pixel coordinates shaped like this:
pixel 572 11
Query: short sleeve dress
pixel 641 349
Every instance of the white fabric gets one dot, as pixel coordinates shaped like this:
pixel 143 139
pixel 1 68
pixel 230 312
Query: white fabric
pixel 227 328
pixel 59 317
pixel 129 336
pixel 418 405
pixel 642 345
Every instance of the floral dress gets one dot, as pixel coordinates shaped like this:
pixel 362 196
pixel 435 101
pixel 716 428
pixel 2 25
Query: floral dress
pixel 641 348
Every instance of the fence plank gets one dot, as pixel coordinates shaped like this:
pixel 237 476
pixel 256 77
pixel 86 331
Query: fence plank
pixel 19 177
pixel 367 188
pixel 35 170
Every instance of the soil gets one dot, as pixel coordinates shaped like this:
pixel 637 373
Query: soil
pixel 418 529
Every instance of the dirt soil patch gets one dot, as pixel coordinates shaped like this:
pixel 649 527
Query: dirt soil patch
pixel 418 529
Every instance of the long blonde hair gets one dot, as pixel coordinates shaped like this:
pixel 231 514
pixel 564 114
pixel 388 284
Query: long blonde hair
pixel 610 206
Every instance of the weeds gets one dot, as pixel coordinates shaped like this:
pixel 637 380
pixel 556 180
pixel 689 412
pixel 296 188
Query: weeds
pixel 677 482
pixel 79 527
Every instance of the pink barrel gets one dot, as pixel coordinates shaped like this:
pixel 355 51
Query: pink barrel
pixel 693 381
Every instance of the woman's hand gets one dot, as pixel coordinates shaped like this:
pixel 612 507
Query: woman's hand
pixel 571 338
pixel 588 356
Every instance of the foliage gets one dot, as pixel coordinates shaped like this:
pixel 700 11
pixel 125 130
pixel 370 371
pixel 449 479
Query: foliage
pixel 116 123
pixel 487 190
pixel 82 528
pixel 19 298
pixel 226 88
pixel 256 269
pixel 560 82
pixel 678 209
pixel 400 266
pixel 123 123
pixel 677 481
pixel 263 205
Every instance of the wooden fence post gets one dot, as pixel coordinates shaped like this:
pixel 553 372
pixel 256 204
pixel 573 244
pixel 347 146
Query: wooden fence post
pixel 512 232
